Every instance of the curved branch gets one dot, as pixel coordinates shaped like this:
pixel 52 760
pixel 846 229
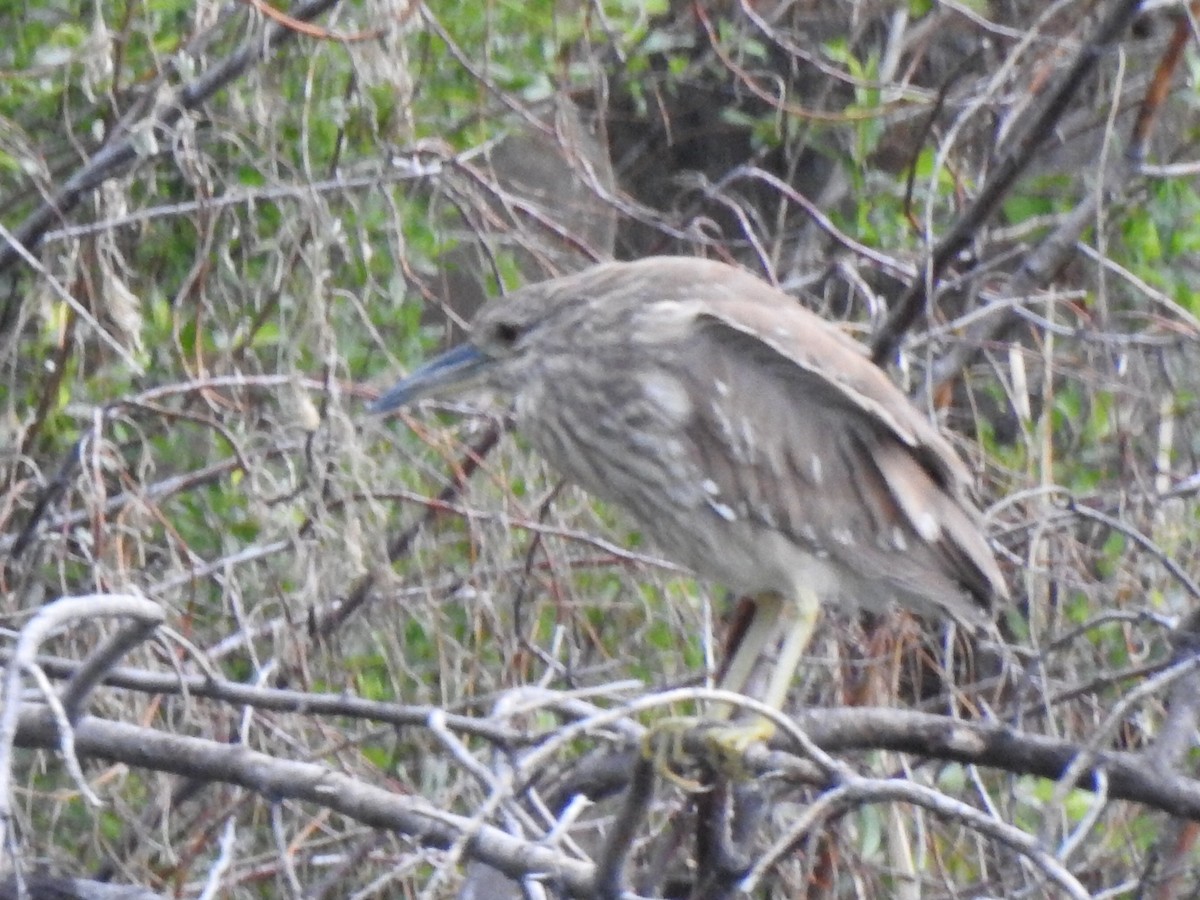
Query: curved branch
pixel 280 779
pixel 283 700
pixel 861 791
pixel 1130 775
pixel 35 632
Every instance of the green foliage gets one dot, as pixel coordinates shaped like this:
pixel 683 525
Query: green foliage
pixel 1112 554
pixel 383 758
pixel 1077 608
pixel 1039 791
pixel 371 674
pixel 112 826
pixel 1142 237
pixel 661 635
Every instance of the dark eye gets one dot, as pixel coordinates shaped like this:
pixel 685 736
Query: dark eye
pixel 507 333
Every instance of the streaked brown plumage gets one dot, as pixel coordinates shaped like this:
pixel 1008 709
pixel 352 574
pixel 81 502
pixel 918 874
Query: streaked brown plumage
pixel 753 441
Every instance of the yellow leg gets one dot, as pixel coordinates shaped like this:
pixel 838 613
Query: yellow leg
pixel 771 616
pixel 796 618
pixel 769 610
pixel 808 607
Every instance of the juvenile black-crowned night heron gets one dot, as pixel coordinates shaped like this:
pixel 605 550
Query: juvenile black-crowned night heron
pixel 753 442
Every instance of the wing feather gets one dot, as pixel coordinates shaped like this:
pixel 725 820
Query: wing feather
pixel 811 438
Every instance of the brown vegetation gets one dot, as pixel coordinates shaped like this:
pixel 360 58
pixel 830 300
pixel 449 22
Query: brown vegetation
pixel 311 654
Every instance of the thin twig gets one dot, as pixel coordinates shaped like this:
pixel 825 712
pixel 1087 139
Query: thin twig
pixel 112 158
pixel 1015 157
pixel 861 791
pixel 610 868
pixel 36 631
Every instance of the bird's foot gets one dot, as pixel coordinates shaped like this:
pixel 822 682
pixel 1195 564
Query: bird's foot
pixel 665 745
pixel 681 745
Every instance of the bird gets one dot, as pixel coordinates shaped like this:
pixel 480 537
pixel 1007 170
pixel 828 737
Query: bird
pixel 752 441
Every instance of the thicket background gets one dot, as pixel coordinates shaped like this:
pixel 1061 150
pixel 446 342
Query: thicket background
pixel 226 225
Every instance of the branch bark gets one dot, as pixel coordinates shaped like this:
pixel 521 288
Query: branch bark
pixel 281 779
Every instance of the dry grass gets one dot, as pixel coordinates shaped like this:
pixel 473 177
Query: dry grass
pixel 182 378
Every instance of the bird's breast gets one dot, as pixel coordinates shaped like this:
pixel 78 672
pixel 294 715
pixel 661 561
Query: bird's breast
pixel 627 443
pixel 627 448
pixel 618 435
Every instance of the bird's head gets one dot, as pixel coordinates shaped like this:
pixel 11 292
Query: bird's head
pixel 507 337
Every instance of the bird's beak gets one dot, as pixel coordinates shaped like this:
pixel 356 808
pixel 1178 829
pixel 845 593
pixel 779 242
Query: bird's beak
pixel 453 371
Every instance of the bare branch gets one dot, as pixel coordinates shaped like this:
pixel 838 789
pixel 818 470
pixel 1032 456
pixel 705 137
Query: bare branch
pixel 35 632
pixel 286 779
